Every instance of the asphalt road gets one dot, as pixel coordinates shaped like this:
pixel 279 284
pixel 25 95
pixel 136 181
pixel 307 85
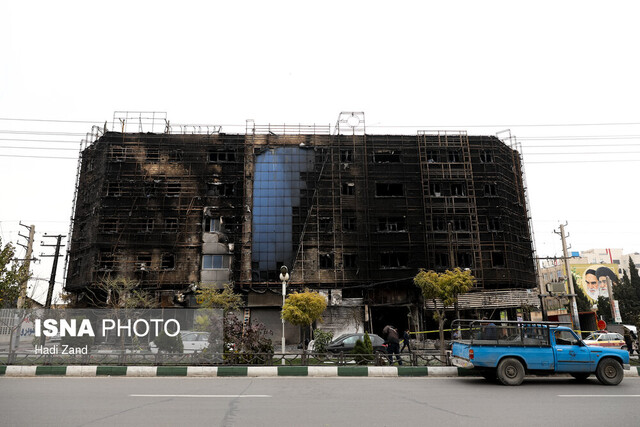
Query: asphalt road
pixel 62 401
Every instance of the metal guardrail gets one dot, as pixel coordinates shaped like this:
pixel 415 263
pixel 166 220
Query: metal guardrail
pixel 119 358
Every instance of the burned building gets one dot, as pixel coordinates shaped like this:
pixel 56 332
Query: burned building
pixel 353 215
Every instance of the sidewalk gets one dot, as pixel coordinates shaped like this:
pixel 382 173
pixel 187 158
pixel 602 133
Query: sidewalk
pixel 246 371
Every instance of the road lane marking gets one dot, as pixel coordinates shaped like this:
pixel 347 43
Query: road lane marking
pixel 233 396
pixel 599 395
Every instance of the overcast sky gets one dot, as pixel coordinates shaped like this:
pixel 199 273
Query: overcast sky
pixel 562 76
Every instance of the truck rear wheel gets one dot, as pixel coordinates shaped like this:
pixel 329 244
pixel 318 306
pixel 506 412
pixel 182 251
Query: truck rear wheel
pixel 609 372
pixel 510 371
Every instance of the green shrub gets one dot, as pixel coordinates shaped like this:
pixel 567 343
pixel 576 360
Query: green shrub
pixel 167 344
pixel 363 350
pixel 321 340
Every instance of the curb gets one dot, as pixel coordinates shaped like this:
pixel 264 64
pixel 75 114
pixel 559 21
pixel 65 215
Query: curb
pixel 245 371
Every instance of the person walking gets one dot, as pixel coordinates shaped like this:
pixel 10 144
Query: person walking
pixel 393 343
pixel 406 341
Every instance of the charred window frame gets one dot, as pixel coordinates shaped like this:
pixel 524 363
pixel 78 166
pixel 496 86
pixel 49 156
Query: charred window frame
pixel 348 189
pixel 387 156
pixel 349 261
pixel 439 224
pixel 394 224
pixel 221 156
pixel 497 259
pixel 109 226
pixel 325 224
pixel 433 157
pixel 114 189
pixel 435 189
pixel 464 259
pixel 458 189
pixel 461 224
pixel 349 223
pixel 153 155
pixel 493 224
pixel 143 261
pixel 346 155
pixel 148 224
pixel 118 153
pixel 490 190
pixel 454 156
pixel 486 156
pixel 442 260
pixel 390 260
pixel 389 189
pixel 176 156
pixel 106 261
pixel 173 189
pixel 168 261
pixel 224 189
pixel 325 261
pixel 170 225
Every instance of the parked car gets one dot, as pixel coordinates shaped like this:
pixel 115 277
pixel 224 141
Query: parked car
pixel 606 339
pixel 345 343
pixel 192 341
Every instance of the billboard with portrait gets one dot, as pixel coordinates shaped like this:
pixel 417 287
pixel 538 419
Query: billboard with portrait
pixel 592 278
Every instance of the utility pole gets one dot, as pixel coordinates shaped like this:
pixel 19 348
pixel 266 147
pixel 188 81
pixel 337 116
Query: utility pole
pixel 574 305
pixel 27 263
pixel 52 280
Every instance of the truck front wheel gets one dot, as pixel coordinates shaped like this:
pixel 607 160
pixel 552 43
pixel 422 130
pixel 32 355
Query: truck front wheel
pixel 609 372
pixel 510 371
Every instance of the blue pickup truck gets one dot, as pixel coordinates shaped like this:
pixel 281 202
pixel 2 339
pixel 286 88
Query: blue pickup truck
pixel 507 350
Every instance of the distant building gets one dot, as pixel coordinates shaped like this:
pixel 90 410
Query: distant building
pixel 353 215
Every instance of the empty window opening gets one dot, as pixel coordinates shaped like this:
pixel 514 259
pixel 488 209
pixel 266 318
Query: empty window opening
pixel 389 189
pixel 118 153
pixel 143 262
pixel 439 224
pixel 493 224
pixel 486 156
pixel 497 259
pixel 490 190
pixel 168 261
pixel 106 260
pixel 325 225
pixel 394 260
pixel 432 157
pixel 458 189
pixel 442 259
pixel 464 259
pixel 386 156
pixel 171 225
pixel 220 189
pixel 435 189
pixel 148 225
pixel 221 156
pixel 153 154
pixel 346 155
pixel 114 189
pixel 349 223
pixel 176 156
pixel 110 225
pixel 348 189
pixel 454 156
pixel 392 224
pixel 326 261
pixel 349 260
pixel 173 189
pixel 216 262
pixel 461 224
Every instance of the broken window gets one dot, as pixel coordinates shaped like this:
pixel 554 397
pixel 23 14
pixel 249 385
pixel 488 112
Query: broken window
pixel 461 224
pixel 143 262
pixel 394 260
pixel 325 225
pixel 171 225
pixel 149 188
pixel 392 224
pixel 432 157
pixel 217 156
pixel 454 156
pixel 348 189
pixel 326 260
pixel 216 262
pixel 389 189
pixel 464 259
pixel 106 260
pixel 486 156
pixel 118 153
pixel 109 225
pixel 458 189
pixel 153 154
pixel 176 156
pixel 490 190
pixel 493 224
pixel 148 225
pixel 346 155
pixel 113 189
pixel 442 259
pixel 349 223
pixel 439 224
pixel 435 189
pixel 497 259
pixel 349 260
pixel 220 189
pixel 386 156
pixel 168 261
pixel 173 189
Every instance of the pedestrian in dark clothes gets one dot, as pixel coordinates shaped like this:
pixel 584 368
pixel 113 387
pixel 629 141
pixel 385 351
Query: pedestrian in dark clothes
pixel 393 343
pixel 406 341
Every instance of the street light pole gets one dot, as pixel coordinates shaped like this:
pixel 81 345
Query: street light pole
pixel 284 277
